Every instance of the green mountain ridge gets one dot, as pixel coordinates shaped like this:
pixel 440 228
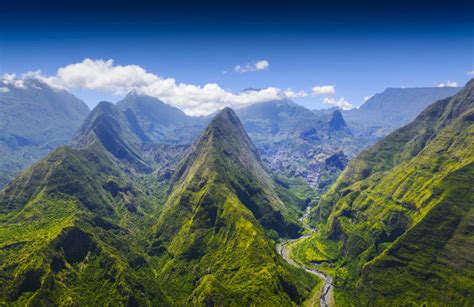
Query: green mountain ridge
pixel 216 251
pixel 396 227
pixel 86 218
pixel 74 223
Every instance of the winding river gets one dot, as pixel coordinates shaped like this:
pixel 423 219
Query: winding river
pixel 282 250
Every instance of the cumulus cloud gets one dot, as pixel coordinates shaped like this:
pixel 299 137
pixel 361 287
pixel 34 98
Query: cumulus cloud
pixel 329 91
pixel 470 73
pixel 105 76
pixel 340 103
pixel 448 84
pixel 4 89
pixel 253 66
pixel 323 90
pixel 11 79
pixel 289 93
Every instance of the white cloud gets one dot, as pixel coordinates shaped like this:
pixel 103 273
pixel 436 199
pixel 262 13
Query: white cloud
pixel 470 73
pixel 292 94
pixel 448 84
pixel 323 90
pixel 105 76
pixel 329 91
pixel 340 103
pixel 11 79
pixel 4 89
pixel 253 66
pixel 262 65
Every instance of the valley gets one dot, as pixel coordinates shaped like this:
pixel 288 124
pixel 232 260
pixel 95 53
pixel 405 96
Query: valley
pixel 325 294
pixel 267 204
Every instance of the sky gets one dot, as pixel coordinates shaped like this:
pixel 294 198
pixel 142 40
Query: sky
pixel 200 56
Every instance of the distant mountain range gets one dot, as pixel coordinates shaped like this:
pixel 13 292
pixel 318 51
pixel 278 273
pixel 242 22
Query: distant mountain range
pixel 394 107
pixel 292 140
pixel 161 122
pixel 34 119
pixel 296 142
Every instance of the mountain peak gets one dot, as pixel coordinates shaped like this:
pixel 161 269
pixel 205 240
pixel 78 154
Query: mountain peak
pixel 225 153
pixel 109 126
pixel 227 114
pixel 337 122
pixel 227 134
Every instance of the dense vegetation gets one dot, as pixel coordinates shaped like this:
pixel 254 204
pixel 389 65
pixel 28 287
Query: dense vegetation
pixel 396 228
pixel 224 211
pixel 90 217
pixel 130 214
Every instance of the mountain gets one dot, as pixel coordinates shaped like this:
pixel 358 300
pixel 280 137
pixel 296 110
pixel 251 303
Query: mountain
pixel 219 221
pixel 110 127
pixel 397 226
pixel 161 122
pixel 337 122
pixel 34 119
pixel 295 141
pixel 395 107
pixel 291 139
pixel 98 215
pixel 75 221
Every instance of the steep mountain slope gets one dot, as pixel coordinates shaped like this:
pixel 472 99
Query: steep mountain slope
pixel 108 126
pixel 34 119
pixel 397 227
pixel 76 222
pixel 213 239
pixel 84 226
pixel 395 107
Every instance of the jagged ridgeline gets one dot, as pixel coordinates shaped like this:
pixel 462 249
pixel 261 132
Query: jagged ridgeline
pixel 397 228
pixel 90 224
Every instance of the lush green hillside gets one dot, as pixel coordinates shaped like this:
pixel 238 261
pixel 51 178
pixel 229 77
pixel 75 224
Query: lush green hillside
pixel 84 226
pixel 34 120
pixel 397 227
pixel 214 238
pixel 76 222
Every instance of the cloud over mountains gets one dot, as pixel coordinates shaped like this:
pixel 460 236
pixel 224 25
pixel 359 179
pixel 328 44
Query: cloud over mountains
pixel 106 76
pixel 329 91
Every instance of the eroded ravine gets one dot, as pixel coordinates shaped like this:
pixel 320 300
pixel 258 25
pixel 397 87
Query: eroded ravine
pixel 282 250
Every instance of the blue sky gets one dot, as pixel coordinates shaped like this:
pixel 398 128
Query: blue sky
pixel 359 55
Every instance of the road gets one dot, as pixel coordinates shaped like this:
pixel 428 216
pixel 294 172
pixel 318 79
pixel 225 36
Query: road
pixel 328 283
